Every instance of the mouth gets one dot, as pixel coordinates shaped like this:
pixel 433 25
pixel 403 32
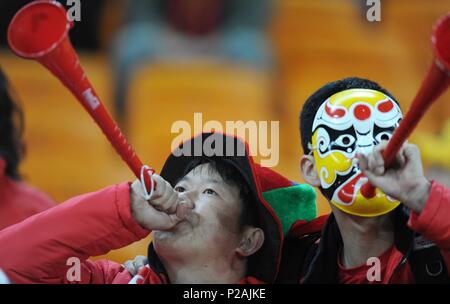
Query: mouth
pixel 191 219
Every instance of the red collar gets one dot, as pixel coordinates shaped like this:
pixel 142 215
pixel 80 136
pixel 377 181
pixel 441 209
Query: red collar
pixel 2 167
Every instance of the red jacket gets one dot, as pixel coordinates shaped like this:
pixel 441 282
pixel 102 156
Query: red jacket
pixel 37 250
pixel 321 242
pixel 433 224
pixel 18 200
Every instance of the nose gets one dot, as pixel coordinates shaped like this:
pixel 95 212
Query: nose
pixel 362 112
pixel 188 197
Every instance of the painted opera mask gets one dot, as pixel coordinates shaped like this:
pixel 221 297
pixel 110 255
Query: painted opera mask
pixel 349 122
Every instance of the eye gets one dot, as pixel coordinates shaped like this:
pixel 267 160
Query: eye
pixel 383 136
pixel 345 140
pixel 210 192
pixel 179 189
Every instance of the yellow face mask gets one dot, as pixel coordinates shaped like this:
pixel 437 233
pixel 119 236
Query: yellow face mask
pixel 349 122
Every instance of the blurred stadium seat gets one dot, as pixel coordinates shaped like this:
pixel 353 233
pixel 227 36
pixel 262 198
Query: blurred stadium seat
pixel 164 93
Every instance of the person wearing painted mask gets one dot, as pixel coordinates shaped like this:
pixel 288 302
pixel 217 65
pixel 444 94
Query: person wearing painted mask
pixel 402 235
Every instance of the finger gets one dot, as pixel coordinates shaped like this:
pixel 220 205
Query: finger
pixel 413 160
pixel 136 186
pixel 379 163
pixel 129 266
pixel 140 261
pixel 382 145
pixel 169 204
pixel 162 185
pixel 376 162
pixel 373 179
pixel 400 157
pixel 174 219
pixel 362 161
pixel 411 153
pixel 160 201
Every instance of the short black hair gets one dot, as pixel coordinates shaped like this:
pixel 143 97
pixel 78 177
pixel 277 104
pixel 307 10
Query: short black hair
pixel 11 127
pixel 232 177
pixel 314 102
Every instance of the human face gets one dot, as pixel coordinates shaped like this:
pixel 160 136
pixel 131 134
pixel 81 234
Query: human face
pixel 213 225
pixel 349 122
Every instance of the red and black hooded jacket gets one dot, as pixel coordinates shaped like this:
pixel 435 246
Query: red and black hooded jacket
pixel 95 223
pixel 421 242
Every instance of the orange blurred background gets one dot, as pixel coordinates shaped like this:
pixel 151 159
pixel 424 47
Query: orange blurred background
pixel 315 41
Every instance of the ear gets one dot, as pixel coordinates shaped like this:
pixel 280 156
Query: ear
pixel 309 171
pixel 251 241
